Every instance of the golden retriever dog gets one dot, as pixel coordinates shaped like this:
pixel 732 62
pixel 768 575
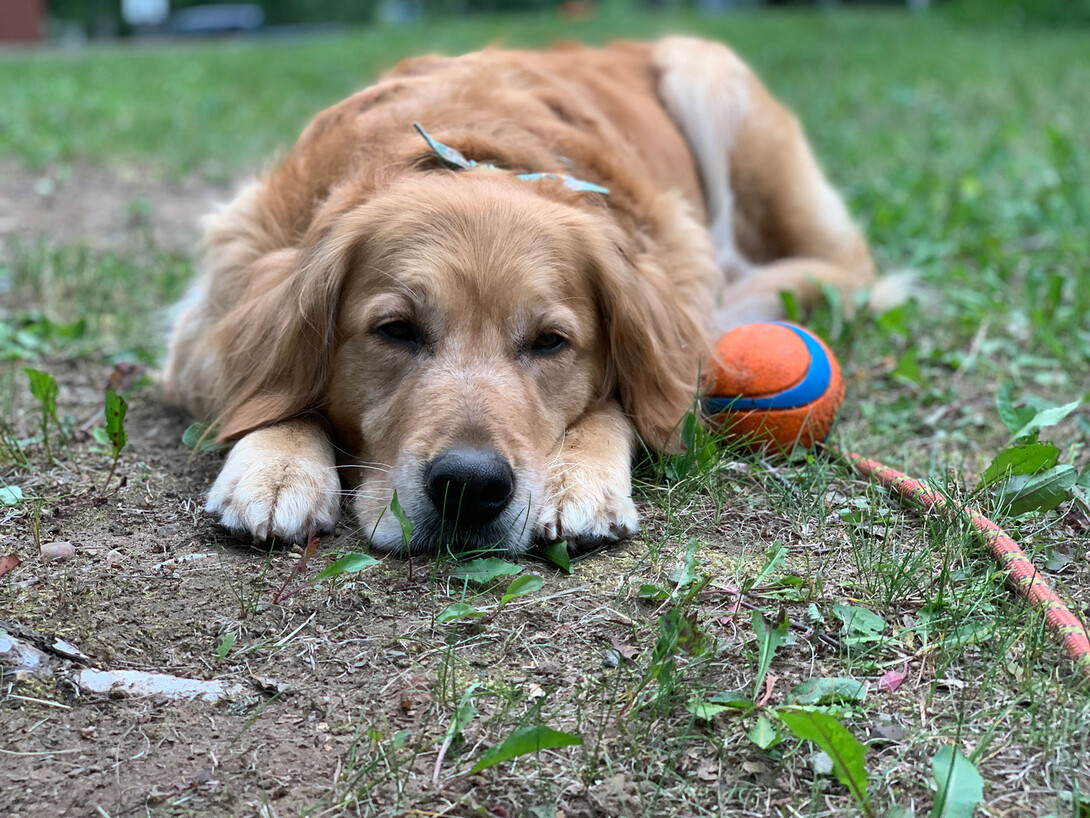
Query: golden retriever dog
pixel 483 281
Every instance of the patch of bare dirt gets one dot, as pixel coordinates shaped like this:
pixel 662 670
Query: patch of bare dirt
pixel 103 208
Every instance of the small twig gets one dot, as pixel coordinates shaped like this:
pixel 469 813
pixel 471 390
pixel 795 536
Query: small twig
pixel 39 701
pixel 300 567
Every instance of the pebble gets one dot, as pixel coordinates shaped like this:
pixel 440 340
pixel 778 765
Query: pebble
pixel 58 551
pixel 114 558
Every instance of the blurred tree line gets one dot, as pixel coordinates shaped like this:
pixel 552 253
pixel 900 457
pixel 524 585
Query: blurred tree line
pixel 104 16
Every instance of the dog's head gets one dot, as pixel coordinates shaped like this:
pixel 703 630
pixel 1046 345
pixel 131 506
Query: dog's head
pixel 451 329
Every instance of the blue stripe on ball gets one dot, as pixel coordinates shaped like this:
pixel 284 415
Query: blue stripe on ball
pixel 808 390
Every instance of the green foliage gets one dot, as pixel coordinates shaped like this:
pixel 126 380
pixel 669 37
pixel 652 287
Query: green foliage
pixel 482 572
pixel 463 714
pixel 860 625
pixel 403 520
pixel 844 749
pixel 29 336
pixel 115 409
pixel 521 586
pixel 459 610
pixel 828 690
pixel 44 389
pixel 556 554
pixel 1024 458
pixel 223 647
pixel 525 740
pixel 201 438
pixel 958 786
pixel 350 563
pixel 1026 477
pixel 770 638
pixel 706 708
pixel 763 733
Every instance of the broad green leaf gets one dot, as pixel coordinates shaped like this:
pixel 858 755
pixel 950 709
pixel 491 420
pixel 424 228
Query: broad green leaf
pixel 115 421
pixel 763 733
pixel 11 495
pixel 1029 458
pixel 834 739
pixel 958 786
pixel 1024 493
pixel 44 389
pixel 459 610
pixel 828 690
pixel 200 437
pixel 520 586
pixel 769 639
pixel 1044 417
pixel 859 621
pixel 227 641
pixel 705 710
pixel 732 698
pixel 481 571
pixel 348 564
pixel 654 593
pixel 403 519
pixel 706 707
pixel 522 741
pixel 557 554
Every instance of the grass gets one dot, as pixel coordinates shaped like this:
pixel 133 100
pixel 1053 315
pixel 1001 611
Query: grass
pixel 962 151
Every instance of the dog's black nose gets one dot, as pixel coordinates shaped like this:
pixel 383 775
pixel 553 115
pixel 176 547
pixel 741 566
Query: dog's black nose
pixel 469 487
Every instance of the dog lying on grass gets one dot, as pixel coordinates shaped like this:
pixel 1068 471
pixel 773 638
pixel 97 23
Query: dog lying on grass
pixel 481 281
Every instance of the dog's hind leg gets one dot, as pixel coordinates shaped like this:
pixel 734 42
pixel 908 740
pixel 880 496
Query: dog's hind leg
pixel 777 223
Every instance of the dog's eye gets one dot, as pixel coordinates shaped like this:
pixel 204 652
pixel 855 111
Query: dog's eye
pixel 400 332
pixel 547 343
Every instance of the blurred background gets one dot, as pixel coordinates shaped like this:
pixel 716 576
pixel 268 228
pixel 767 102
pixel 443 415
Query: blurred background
pixel 71 21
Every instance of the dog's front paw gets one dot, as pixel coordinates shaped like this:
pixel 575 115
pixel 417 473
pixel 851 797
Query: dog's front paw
pixel 588 507
pixel 277 484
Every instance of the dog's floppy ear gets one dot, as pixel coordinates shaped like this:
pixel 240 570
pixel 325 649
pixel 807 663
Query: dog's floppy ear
pixel 657 342
pixel 277 342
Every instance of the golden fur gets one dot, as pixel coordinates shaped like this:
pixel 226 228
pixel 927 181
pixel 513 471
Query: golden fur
pixel 365 311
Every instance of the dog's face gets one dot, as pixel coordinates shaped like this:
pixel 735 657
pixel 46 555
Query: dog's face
pixel 468 339
pixel 453 328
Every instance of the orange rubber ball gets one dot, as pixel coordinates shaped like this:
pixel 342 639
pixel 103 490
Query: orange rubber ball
pixel 773 385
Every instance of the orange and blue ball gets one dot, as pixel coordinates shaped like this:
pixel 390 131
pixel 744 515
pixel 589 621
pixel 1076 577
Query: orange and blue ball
pixel 773 385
